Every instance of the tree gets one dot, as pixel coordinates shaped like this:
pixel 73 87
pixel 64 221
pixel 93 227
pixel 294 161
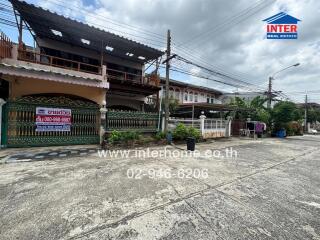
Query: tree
pixel 285 112
pixel 313 115
pixel 254 109
pixel 173 104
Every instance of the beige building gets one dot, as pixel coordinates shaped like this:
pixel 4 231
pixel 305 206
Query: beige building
pixel 74 68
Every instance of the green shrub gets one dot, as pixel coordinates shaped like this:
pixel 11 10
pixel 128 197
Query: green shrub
pixel 193 132
pixel 181 132
pixel 117 137
pixel 294 128
pixel 160 135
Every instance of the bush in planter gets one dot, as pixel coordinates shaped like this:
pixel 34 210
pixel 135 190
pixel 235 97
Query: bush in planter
pixel 181 132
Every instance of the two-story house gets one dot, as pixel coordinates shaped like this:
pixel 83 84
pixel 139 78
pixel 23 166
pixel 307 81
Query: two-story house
pixel 54 91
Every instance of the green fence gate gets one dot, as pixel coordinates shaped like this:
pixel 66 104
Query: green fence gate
pixel 135 121
pixel 19 126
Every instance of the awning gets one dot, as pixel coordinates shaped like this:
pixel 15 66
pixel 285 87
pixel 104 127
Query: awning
pixel 42 74
pixel 45 23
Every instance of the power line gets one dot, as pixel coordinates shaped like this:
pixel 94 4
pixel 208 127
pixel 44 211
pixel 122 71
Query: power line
pixel 214 72
pixel 234 20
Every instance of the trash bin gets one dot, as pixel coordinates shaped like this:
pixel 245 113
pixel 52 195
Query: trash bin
pixel 281 133
pixel 191 143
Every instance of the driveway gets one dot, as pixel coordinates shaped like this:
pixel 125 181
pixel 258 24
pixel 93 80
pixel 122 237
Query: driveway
pixel 265 189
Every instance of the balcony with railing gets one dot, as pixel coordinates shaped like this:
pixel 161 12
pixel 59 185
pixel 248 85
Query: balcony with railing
pixel 43 61
pixel 117 76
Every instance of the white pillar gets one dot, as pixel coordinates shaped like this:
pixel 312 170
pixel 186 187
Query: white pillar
pixel 163 122
pixel 103 111
pixel 228 127
pixel 202 118
pixel 2 102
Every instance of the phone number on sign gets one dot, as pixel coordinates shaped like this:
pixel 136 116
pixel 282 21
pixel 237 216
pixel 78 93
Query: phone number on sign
pixel 136 173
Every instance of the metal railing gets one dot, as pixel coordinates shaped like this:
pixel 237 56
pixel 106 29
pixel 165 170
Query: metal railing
pixel 214 124
pixel 122 76
pixel 173 122
pixel 44 59
pixel 135 121
pixel 5 46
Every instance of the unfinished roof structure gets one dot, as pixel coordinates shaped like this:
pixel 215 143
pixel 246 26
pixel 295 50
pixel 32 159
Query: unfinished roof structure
pixel 46 24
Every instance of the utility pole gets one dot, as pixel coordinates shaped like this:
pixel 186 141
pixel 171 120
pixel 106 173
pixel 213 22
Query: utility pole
pixel 167 81
pixel 306 114
pixel 269 93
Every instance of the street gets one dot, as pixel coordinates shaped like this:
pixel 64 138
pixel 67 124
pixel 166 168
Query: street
pixel 269 190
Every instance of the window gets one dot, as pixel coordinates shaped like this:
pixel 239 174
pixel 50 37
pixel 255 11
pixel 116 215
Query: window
pixel 85 41
pixel 129 54
pixel 208 99
pixel 191 96
pixel 196 97
pixel 186 96
pixel 171 93
pixel 108 48
pixel 212 100
pixel 56 32
pixel 177 95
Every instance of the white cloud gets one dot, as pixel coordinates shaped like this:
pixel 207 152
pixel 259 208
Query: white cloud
pixel 239 48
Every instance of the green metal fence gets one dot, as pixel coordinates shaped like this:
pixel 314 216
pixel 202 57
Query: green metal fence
pixel 20 129
pixel 136 121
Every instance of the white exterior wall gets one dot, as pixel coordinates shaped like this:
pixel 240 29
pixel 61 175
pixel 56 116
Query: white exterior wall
pixel 179 93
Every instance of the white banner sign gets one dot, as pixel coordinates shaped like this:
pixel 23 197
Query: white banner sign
pixel 53 119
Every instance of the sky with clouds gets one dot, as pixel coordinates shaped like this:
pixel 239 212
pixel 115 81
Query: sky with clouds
pixel 229 35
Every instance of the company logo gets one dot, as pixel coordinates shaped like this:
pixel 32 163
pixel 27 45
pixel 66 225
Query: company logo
pixel 282 26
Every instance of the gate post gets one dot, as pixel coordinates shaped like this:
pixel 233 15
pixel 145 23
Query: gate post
pixel 202 118
pixel 103 111
pixel 2 102
pixel 228 126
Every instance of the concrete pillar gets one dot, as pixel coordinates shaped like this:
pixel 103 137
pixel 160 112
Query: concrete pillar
pixel 202 118
pixel 163 120
pixel 2 102
pixel 228 126
pixel 103 111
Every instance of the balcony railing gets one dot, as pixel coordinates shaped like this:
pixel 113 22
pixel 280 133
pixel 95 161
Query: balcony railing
pixel 44 59
pixel 123 77
pixel 5 46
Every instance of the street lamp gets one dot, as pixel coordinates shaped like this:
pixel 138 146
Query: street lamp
pixel 272 78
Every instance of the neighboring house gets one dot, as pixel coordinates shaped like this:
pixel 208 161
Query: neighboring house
pixel 187 93
pixel 74 68
pixel 226 98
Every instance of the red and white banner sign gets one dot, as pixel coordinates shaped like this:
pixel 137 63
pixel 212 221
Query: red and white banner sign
pixel 53 119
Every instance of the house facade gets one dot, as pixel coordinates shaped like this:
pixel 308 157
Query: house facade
pixel 187 93
pixel 54 92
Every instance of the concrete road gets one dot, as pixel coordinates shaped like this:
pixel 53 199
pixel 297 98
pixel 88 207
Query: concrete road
pixel 267 189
